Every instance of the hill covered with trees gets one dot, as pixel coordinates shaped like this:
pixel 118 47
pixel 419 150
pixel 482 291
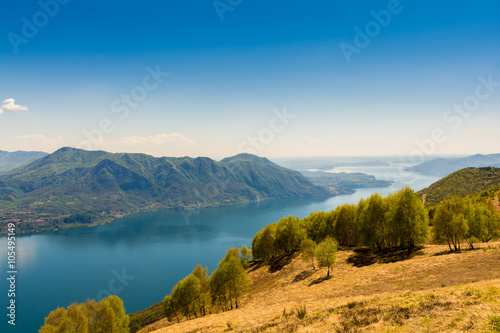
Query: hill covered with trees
pixel 462 183
pixel 12 160
pixel 76 187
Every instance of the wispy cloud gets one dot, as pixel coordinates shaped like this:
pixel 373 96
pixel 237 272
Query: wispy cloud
pixel 10 105
pixel 156 140
pixel 43 142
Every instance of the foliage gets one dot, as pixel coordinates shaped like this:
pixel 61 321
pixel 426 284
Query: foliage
pixel 289 234
pixel 245 255
pixel 326 254
pixel 374 224
pixel 308 250
pixel 319 225
pixel 89 317
pixel 228 281
pixel 346 225
pixel 473 219
pixel 263 243
pixel 408 219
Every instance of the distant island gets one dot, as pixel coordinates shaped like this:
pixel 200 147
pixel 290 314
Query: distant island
pixel 345 183
pixel 442 167
pixel 325 163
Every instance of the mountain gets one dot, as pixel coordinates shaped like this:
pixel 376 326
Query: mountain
pixel 10 161
pixel 463 182
pixel 74 186
pixel 442 167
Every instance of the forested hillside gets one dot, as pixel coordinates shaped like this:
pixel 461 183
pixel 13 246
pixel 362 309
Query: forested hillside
pixel 10 161
pixel 463 182
pixel 75 187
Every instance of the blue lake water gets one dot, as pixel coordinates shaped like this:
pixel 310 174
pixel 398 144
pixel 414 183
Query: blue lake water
pixel 140 257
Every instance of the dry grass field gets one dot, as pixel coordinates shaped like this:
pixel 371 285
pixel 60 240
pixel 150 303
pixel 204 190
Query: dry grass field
pixel 431 291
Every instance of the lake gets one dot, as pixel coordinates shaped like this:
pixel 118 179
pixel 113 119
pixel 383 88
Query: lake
pixel 140 257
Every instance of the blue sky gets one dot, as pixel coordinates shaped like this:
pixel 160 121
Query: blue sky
pixel 267 77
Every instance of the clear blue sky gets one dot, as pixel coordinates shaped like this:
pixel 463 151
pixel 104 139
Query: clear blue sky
pixel 235 65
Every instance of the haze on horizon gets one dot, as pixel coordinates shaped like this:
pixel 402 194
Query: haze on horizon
pixel 280 79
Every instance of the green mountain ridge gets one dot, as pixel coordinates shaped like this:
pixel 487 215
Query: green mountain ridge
pixel 78 186
pixel 12 160
pixel 463 182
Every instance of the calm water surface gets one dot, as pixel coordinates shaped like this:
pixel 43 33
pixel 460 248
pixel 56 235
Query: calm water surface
pixel 140 257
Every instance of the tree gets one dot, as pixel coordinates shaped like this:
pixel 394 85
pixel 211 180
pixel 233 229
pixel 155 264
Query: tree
pixel 170 308
pixel 408 219
pixel 482 220
pixel 374 225
pixel 346 226
pixel 263 243
pixel 449 223
pixel 319 225
pixel 219 290
pixel 203 297
pixel 229 281
pixel 326 253
pixel 307 250
pixel 185 294
pixel 91 316
pixel 288 234
pixel 236 279
pixel 245 255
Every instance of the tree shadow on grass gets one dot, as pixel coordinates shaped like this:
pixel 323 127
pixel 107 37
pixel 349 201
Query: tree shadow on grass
pixel 303 275
pixel 319 280
pixel 367 256
pixel 255 265
pixel 278 262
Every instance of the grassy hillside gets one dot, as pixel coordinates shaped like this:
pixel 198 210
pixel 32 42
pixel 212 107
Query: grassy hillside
pixel 10 161
pixel 462 183
pixel 431 291
pixel 74 187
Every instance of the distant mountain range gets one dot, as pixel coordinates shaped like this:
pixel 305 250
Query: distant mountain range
pixel 462 183
pixel 442 167
pixel 10 161
pixel 74 186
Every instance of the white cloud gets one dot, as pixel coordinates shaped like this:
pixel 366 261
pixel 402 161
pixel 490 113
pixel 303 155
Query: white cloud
pixel 10 105
pixel 156 140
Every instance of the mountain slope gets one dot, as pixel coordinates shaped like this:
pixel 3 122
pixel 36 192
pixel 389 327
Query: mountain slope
pixel 10 161
pixel 74 181
pixel 442 167
pixel 463 182
pixel 367 292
